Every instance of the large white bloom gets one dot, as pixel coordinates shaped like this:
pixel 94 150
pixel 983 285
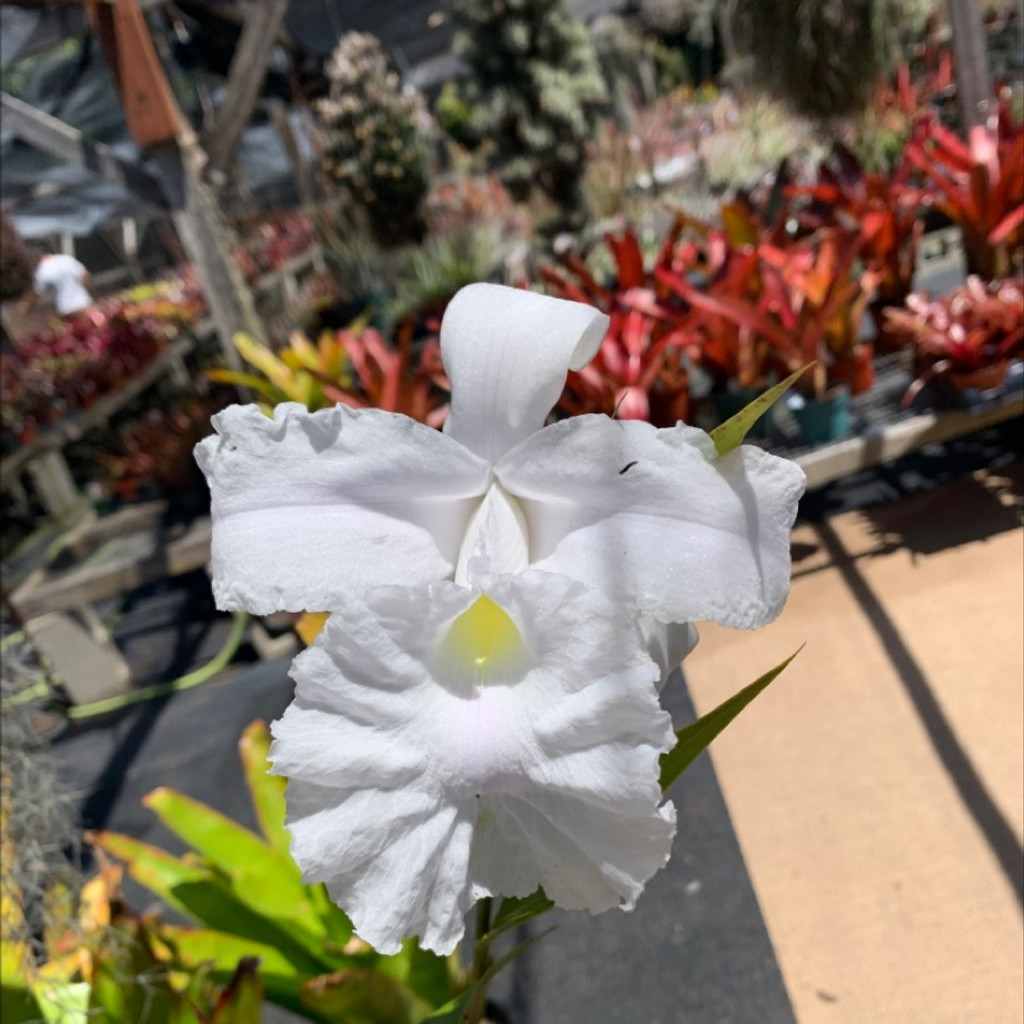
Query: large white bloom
pixel 310 510
pixel 446 745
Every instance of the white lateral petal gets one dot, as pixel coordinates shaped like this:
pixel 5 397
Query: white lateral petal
pixel 411 769
pixel 311 507
pixel 657 519
pixel 507 352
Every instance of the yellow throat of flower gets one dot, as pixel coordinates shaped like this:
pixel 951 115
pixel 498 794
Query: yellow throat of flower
pixel 484 641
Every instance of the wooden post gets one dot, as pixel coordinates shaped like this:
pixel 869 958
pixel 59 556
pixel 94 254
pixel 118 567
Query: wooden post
pixel 300 168
pixel 973 78
pixel 245 76
pixel 209 242
pixel 156 121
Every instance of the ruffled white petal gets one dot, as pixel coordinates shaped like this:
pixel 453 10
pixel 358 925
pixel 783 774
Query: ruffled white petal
pixel 657 519
pixel 309 508
pixel 669 644
pixel 507 352
pixel 422 778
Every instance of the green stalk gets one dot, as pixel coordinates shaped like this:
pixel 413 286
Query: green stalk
pixel 481 955
pixel 201 675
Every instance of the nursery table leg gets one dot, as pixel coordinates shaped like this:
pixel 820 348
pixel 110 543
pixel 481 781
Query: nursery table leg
pixel 56 487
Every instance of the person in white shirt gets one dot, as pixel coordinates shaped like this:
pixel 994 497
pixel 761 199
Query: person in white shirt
pixel 63 279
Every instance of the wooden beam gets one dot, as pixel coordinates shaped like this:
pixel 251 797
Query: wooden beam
pixel 67 143
pixel 834 461
pixel 248 68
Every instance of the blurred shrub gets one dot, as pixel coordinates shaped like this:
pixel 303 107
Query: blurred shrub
pixel 16 263
pixel 532 97
pixel 370 140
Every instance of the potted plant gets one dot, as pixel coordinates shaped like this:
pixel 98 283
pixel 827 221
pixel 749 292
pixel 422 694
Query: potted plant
pixel 785 308
pixel 884 209
pixel 979 186
pixel 355 367
pixel 640 370
pixel 964 339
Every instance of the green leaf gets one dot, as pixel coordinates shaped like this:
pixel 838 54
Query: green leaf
pixel 248 380
pixel 150 866
pixel 695 737
pixel 268 880
pixel 62 1002
pixel 430 975
pixel 17 1003
pixel 266 790
pixel 515 911
pixel 454 1011
pixel 218 838
pixel 221 952
pixel 208 897
pixel 730 434
pixel 128 982
pixel 363 995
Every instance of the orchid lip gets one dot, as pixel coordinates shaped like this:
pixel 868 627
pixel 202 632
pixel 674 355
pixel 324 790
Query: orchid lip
pixel 483 646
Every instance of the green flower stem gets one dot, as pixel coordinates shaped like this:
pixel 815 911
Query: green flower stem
pixel 200 675
pixel 481 955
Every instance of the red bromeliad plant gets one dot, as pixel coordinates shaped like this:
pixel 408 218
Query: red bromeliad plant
pixel 768 308
pixel 155 451
pixel 268 245
pixel 55 373
pixel 883 208
pixel 408 378
pixel 978 185
pixel 355 367
pixel 639 371
pixel 966 337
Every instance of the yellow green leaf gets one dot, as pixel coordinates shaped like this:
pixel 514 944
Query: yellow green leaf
pixel 694 738
pixel 730 434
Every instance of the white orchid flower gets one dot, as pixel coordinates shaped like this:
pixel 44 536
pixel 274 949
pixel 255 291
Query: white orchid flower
pixel 447 744
pixel 311 510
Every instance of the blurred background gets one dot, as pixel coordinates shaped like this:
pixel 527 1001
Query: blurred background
pixel 212 202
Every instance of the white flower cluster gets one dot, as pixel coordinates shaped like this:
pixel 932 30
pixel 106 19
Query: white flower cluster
pixel 480 715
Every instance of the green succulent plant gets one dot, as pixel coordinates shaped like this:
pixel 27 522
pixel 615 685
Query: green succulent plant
pixel 370 140
pixel 532 95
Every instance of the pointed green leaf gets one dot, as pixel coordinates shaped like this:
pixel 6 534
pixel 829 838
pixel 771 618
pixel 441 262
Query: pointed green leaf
pixel 730 434
pixel 220 953
pixel 61 1002
pixel 150 866
pixel 206 896
pixel 514 912
pixel 248 380
pixel 17 1003
pixel 266 790
pixel 695 737
pixel 455 1011
pixel 429 975
pixel 266 879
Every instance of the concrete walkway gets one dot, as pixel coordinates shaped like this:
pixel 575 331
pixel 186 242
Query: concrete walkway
pixel 877 789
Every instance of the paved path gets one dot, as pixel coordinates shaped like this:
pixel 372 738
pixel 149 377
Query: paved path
pixel 877 789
